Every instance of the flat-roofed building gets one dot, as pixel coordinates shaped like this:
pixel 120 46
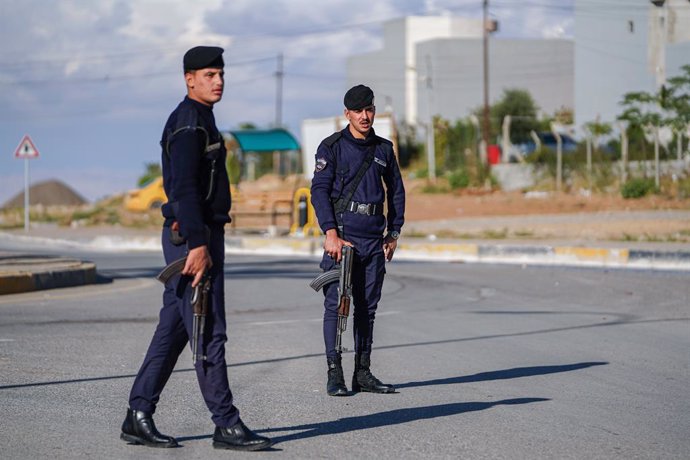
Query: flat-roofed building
pixel 448 50
pixel 626 46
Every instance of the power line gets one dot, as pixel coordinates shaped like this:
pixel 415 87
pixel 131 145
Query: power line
pixel 122 77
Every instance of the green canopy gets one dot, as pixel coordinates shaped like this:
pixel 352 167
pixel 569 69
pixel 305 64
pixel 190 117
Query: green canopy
pixel 265 140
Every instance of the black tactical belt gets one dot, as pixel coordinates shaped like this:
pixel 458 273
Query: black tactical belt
pixel 368 209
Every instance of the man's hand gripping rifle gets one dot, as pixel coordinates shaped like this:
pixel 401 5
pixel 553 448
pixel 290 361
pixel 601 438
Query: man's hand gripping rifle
pixel 342 273
pixel 199 303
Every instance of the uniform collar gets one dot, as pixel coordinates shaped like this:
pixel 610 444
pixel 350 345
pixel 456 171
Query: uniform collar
pixel 369 140
pixel 201 107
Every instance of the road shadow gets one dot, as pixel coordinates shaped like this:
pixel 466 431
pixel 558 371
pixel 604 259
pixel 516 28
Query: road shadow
pixel 514 373
pixel 389 418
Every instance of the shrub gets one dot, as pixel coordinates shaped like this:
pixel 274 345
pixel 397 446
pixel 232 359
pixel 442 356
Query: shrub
pixel 459 178
pixel 637 188
pixel 684 188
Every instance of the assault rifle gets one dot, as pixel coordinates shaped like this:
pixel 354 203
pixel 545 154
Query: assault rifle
pixel 342 273
pixel 199 303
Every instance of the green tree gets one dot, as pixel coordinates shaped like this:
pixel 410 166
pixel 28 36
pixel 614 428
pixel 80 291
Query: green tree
pixel 675 97
pixel 669 105
pixel 153 170
pixel 642 108
pixel 409 149
pixel 598 129
pixel 564 116
pixel 517 103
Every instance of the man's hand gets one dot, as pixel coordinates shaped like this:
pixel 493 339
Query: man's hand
pixel 334 245
pixel 198 262
pixel 389 245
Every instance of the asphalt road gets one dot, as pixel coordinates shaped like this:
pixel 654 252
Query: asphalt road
pixel 490 362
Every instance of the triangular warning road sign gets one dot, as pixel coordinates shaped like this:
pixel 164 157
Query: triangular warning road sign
pixel 26 149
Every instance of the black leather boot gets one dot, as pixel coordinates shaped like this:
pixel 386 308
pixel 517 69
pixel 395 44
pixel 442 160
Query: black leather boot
pixel 138 428
pixel 239 437
pixel 336 380
pixel 364 380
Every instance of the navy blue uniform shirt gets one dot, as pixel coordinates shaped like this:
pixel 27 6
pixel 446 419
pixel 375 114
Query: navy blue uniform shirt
pixel 194 175
pixel 336 168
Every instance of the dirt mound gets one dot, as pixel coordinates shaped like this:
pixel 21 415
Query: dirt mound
pixel 47 193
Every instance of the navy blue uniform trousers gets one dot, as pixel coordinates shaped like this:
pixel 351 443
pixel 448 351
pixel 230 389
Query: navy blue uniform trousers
pixel 174 332
pixel 368 271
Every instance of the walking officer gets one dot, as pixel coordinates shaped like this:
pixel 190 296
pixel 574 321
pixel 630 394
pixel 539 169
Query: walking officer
pixel 196 184
pixel 348 196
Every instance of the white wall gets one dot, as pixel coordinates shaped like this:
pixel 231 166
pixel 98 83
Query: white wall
pixel 616 48
pixel 542 67
pixel 314 130
pixel 392 72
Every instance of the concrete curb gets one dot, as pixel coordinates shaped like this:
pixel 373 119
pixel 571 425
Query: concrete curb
pixel 486 253
pixel 33 273
pixel 23 273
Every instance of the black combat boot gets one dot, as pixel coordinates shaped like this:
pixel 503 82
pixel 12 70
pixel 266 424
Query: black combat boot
pixel 364 380
pixel 239 437
pixel 138 428
pixel 336 379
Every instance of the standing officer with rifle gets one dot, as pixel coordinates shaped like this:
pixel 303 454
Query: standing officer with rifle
pixel 348 196
pixel 198 190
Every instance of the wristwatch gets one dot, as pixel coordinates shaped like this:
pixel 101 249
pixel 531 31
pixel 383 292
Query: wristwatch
pixel 395 235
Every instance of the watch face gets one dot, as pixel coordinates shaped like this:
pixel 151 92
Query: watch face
pixel 395 235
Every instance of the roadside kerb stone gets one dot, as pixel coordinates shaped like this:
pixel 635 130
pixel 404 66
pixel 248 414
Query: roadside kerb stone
pixel 273 246
pixel 483 252
pixel 22 273
pixel 34 273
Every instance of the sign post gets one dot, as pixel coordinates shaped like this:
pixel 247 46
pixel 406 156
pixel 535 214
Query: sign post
pixel 26 150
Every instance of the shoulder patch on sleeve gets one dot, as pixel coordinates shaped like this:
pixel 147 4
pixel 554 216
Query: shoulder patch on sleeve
pixel 380 161
pixel 320 165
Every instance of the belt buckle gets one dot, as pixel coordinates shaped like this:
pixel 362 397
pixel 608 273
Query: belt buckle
pixel 363 208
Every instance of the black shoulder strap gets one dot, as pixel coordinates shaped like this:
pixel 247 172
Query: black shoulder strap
pixel 341 204
pixel 332 139
pixel 187 120
pixel 383 140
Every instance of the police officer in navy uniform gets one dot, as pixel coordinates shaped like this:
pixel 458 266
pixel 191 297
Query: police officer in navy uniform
pixel 348 196
pixel 198 190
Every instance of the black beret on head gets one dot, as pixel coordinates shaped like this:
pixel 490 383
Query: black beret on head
pixel 203 57
pixel 358 97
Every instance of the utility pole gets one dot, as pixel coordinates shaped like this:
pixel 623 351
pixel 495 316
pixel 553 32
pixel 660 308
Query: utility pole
pixel 660 39
pixel 431 138
pixel 279 91
pixel 559 156
pixel 485 31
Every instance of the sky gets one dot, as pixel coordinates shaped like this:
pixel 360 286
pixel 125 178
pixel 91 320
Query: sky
pixel 93 82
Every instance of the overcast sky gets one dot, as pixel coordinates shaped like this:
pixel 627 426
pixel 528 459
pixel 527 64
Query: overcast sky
pixel 92 82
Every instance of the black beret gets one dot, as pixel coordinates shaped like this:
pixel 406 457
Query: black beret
pixel 358 97
pixel 203 57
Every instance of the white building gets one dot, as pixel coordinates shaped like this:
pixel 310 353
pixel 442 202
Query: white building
pixel 448 50
pixel 542 67
pixel 392 72
pixel 623 46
